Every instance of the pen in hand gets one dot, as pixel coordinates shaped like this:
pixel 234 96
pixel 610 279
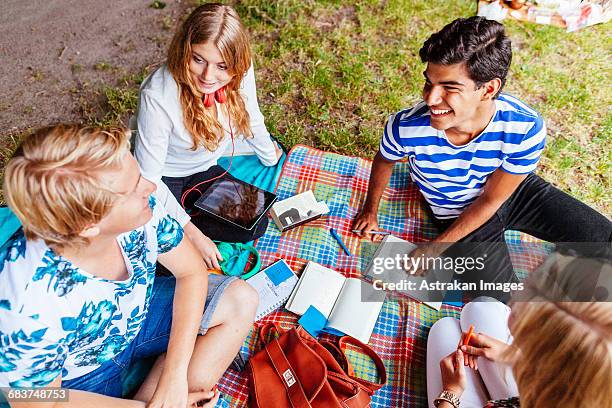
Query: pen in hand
pixel 468 336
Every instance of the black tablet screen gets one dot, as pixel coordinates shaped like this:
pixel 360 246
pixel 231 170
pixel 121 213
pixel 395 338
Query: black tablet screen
pixel 236 202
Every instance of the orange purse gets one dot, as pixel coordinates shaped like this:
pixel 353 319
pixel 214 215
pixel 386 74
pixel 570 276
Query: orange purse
pixel 297 371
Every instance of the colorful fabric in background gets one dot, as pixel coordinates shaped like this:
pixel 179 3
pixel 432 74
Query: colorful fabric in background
pixel 400 334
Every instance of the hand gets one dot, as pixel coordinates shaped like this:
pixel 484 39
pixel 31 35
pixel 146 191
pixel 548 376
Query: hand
pixel 172 392
pixel 417 265
pixel 365 222
pixel 453 373
pixel 424 255
pixel 278 151
pixel 469 360
pixel 486 346
pixel 206 399
pixel 209 251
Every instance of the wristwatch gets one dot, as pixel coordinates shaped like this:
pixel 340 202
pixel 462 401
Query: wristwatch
pixel 448 397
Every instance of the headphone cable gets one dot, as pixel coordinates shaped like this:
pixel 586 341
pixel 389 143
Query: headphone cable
pixel 195 187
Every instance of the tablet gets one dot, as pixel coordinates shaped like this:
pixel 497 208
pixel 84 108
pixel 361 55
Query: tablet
pixel 236 202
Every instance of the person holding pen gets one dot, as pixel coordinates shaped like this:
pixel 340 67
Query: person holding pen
pixel 541 353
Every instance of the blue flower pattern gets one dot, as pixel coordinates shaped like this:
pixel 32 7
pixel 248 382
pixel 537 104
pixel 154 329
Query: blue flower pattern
pixel 90 325
pixel 113 344
pixel 48 364
pixel 108 318
pixel 61 273
pixel 169 234
pixel 14 248
pixel 143 269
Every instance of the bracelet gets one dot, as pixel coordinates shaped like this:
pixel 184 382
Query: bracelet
pixel 449 397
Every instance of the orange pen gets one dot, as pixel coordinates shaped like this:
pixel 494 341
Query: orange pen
pixel 468 336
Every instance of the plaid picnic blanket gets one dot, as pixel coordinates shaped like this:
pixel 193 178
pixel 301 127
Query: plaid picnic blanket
pixel 400 334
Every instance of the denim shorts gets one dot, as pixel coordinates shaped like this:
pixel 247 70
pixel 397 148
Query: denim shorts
pixel 152 340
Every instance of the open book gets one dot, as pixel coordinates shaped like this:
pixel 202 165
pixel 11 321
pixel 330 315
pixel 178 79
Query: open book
pixel 350 305
pixel 413 286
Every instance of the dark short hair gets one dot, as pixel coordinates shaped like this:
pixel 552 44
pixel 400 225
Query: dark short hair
pixel 479 43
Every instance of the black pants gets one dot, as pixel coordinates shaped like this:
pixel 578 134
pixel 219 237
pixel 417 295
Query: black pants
pixel 213 228
pixel 538 209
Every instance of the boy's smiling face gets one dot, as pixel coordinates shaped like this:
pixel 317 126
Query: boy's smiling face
pixel 454 101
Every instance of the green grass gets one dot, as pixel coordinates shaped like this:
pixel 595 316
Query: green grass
pixel 113 105
pixel 329 73
pixel 102 66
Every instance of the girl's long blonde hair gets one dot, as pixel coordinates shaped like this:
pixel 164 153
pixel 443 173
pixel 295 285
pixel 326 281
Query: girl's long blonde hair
pixel 220 25
pixel 564 349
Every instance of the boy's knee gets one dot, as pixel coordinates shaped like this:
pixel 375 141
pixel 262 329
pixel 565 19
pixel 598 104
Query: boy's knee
pixel 244 298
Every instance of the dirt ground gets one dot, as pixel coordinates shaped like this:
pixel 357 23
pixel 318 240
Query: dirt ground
pixel 57 55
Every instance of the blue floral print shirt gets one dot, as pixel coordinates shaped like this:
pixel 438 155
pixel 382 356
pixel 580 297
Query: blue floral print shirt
pixel 56 318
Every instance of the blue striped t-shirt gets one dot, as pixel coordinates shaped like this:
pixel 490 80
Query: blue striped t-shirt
pixel 451 177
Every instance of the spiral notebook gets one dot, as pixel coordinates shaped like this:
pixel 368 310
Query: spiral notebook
pixel 274 285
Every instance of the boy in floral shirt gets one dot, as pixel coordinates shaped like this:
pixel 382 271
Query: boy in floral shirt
pixel 79 299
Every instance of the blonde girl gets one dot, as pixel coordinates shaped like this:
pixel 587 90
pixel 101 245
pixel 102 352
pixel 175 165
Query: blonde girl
pixel 192 109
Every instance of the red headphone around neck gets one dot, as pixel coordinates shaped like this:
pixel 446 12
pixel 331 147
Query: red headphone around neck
pixel 219 96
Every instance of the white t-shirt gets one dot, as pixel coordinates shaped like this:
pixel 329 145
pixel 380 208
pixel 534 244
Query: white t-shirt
pixel 163 144
pixel 56 318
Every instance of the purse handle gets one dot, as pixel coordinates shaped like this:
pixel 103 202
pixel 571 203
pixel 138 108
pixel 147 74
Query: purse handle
pixel 285 372
pixel 264 331
pixel 380 367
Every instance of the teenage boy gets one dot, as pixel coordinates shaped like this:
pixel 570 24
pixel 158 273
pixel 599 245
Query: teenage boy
pixel 79 300
pixel 472 152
